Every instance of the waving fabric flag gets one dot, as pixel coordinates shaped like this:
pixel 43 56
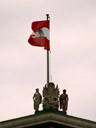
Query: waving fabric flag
pixel 40 36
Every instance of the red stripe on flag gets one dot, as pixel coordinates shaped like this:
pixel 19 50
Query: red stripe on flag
pixel 37 25
pixel 41 42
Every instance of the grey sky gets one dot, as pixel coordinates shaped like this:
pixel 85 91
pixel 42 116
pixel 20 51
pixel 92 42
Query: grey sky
pixel 72 59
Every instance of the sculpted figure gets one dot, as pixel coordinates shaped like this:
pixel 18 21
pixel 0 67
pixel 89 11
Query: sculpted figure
pixel 64 101
pixel 37 99
pixel 50 97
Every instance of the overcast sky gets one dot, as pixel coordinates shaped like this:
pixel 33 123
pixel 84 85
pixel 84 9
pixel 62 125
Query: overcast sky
pixel 72 58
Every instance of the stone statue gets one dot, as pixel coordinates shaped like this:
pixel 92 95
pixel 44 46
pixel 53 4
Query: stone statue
pixel 64 101
pixel 50 97
pixel 37 99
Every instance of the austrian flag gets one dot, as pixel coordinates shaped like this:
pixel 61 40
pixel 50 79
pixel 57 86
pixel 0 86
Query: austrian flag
pixel 40 36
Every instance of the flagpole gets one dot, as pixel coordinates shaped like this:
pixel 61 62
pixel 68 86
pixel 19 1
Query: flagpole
pixel 47 15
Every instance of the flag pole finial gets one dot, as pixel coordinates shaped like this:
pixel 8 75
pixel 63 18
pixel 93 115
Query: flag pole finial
pixel 47 15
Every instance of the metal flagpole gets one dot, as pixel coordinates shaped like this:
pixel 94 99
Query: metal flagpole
pixel 47 15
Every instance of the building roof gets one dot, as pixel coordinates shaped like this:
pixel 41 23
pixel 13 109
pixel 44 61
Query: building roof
pixel 48 120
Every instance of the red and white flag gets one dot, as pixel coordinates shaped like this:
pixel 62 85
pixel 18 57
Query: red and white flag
pixel 40 36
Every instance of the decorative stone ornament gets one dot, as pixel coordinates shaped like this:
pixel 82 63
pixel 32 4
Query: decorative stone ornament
pixel 50 97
